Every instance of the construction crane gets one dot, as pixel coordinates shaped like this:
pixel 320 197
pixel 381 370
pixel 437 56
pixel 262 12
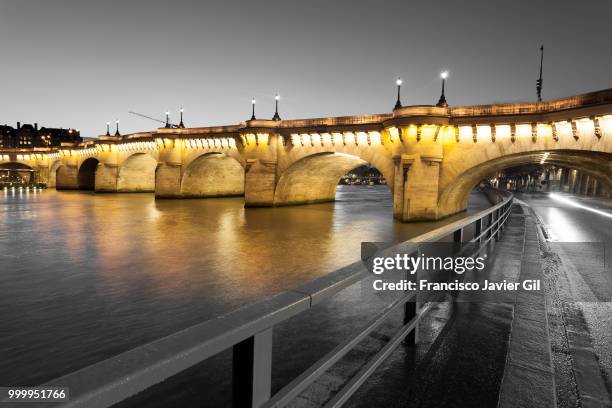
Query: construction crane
pixel 166 123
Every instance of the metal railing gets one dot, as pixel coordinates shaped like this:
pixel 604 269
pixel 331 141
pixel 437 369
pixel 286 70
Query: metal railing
pixel 248 331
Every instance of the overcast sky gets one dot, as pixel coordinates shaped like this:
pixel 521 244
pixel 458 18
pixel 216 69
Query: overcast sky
pixel 82 63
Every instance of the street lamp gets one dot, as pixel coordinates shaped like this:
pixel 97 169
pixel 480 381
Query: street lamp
pixel 107 128
pixel 117 131
pixel 398 103
pixel 181 124
pixel 167 119
pixel 253 101
pixel 442 101
pixel 276 116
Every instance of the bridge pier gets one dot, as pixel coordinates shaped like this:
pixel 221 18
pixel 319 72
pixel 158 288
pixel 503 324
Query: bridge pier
pixel 67 177
pixel 106 178
pixel 168 180
pixel 260 183
pixel 416 180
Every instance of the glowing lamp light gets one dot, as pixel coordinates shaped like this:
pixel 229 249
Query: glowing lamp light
pixel 362 138
pixel 523 130
pixel 444 74
pixel 276 115
pixel 398 81
pixel 375 138
pixel 394 132
pixel 573 203
pixel 253 101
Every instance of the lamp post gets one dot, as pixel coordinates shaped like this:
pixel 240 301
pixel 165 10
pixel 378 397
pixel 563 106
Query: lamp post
pixel 117 131
pixel 398 103
pixel 539 82
pixel 167 119
pixel 442 101
pixel 253 101
pixel 107 128
pixel 181 124
pixel 276 116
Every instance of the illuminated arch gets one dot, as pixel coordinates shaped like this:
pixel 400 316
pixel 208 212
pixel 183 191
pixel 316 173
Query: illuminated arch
pixel 15 166
pixel 137 174
pixel 53 173
pixel 454 197
pixel 19 166
pixel 314 178
pixel 213 175
pixel 86 175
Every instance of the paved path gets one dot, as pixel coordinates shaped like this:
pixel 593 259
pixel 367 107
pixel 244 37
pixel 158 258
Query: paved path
pixel 470 352
pixel 577 250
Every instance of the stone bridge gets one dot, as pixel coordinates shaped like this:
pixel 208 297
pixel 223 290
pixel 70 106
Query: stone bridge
pixel 430 156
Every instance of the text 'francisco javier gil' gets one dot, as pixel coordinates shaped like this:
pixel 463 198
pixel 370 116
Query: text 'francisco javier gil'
pixel 436 269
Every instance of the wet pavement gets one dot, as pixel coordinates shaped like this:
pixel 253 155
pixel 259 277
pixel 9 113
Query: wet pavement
pixel 576 248
pixel 461 358
pixel 552 348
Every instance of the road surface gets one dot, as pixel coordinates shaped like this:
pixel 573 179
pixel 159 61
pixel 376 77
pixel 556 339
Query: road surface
pixel 577 255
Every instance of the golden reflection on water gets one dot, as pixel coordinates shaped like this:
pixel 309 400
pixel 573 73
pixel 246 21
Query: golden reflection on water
pixel 178 247
pixel 90 275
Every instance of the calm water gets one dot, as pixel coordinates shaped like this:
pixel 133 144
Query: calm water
pixel 84 277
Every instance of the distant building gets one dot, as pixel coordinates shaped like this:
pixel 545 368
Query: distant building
pixel 28 136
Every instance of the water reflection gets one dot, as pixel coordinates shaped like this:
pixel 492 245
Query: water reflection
pixel 87 276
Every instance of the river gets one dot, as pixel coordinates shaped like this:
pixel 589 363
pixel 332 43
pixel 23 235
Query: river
pixel 86 276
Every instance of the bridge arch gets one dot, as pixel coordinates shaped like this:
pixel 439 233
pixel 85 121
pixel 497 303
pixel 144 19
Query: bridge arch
pixel 453 197
pixel 53 169
pixel 16 171
pixel 213 175
pixel 15 164
pixel 137 173
pixel 314 178
pixel 86 175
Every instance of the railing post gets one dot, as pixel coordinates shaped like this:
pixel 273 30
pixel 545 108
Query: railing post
pixel 252 370
pixel 498 224
pixel 478 230
pixel 458 236
pixel 489 225
pixel 411 309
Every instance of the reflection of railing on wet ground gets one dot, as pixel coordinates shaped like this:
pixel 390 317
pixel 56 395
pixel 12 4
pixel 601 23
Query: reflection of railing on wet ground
pixel 248 331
